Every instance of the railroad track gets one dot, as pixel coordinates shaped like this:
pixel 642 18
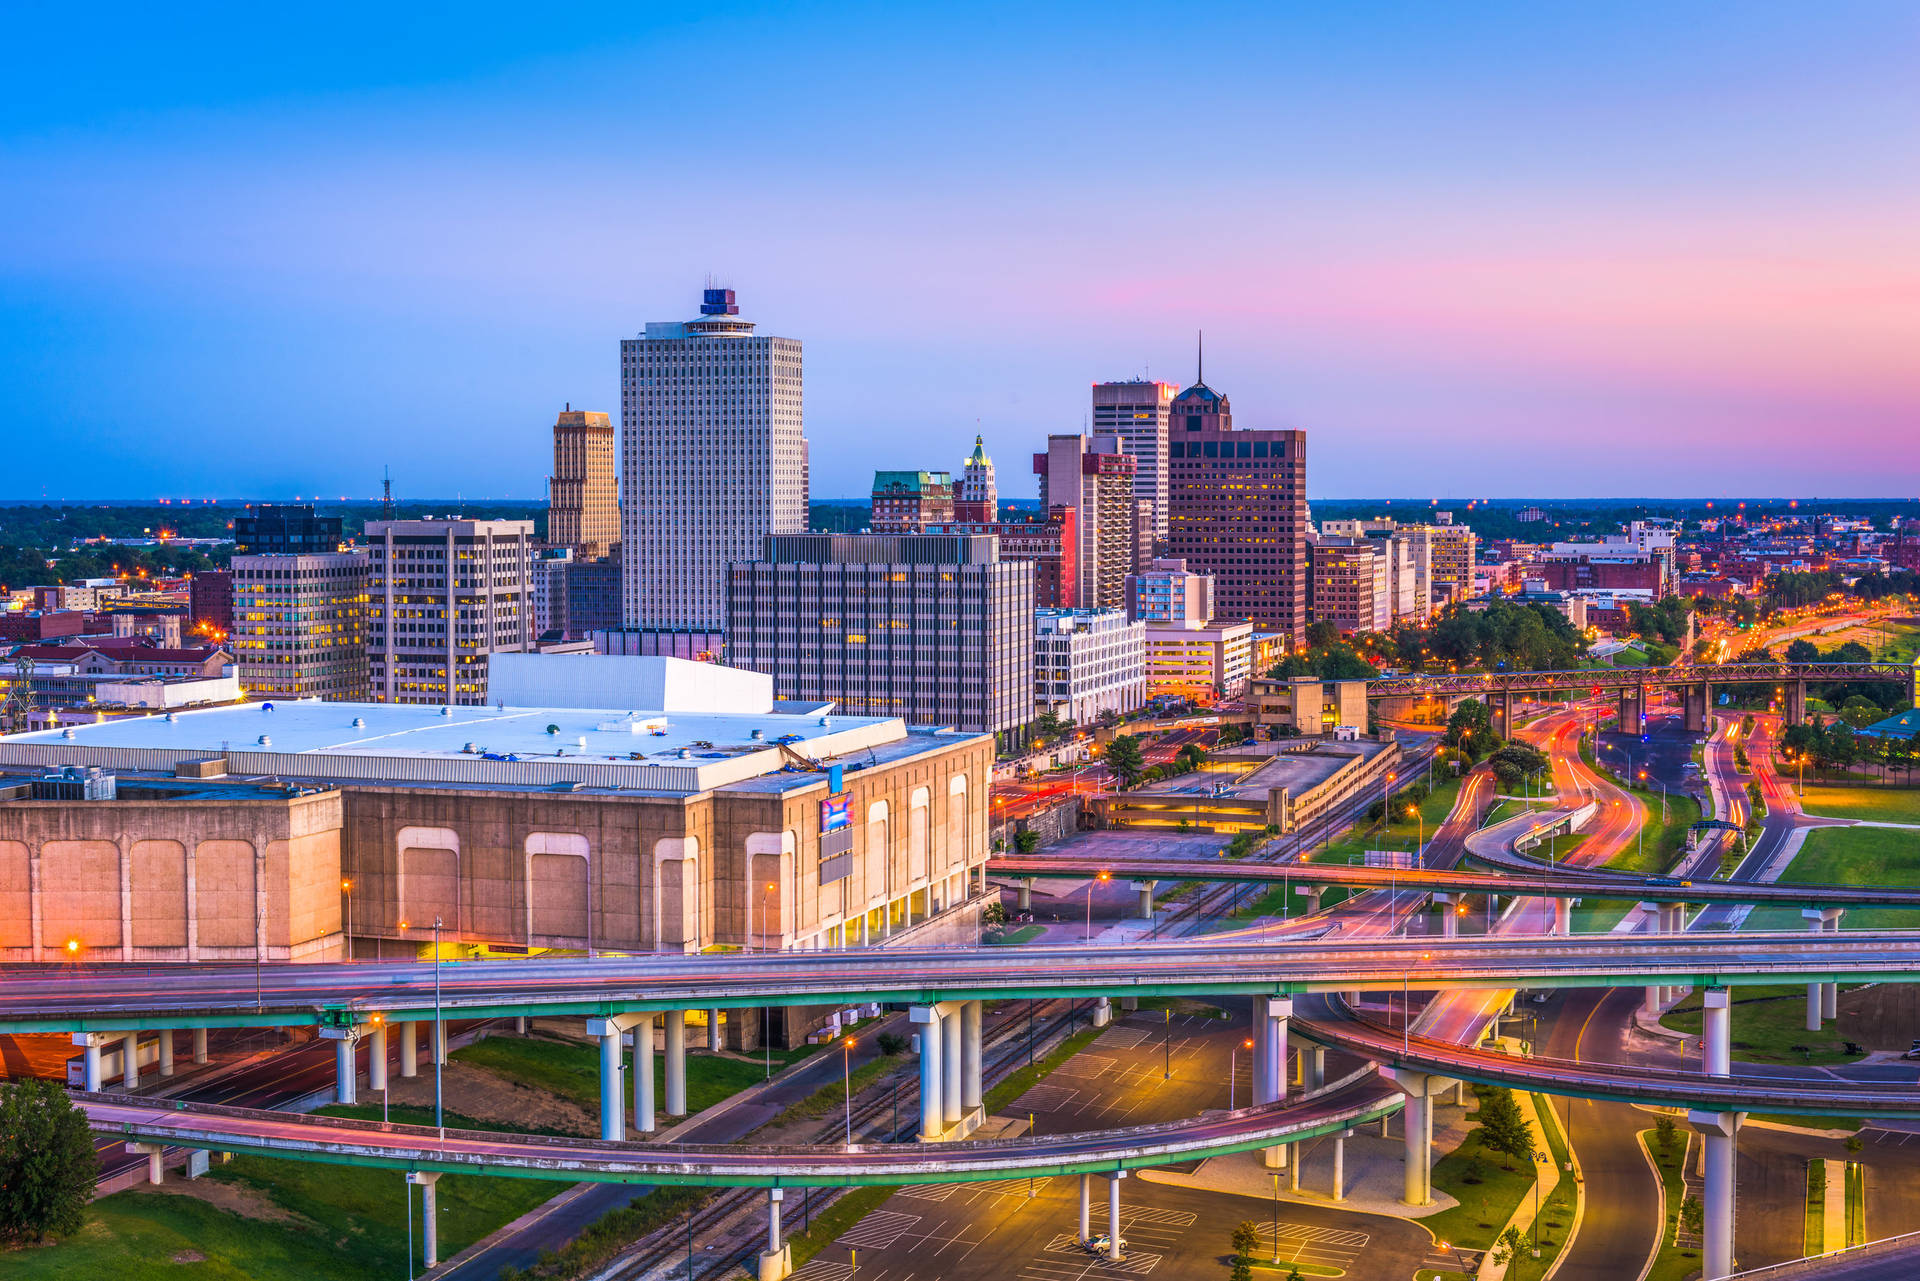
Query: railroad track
pixel 1007 1047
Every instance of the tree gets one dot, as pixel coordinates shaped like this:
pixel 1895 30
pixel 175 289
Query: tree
pixel 1692 1216
pixel 1242 1269
pixel 1502 1128
pixel 1026 840
pixel 994 914
pixel 1125 759
pixel 1246 1239
pixel 1803 651
pixel 1664 1133
pixel 1515 763
pixel 47 1165
pixel 1507 1246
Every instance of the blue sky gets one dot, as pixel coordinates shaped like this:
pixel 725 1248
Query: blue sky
pixel 1473 250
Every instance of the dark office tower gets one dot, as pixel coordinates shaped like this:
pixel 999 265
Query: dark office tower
pixel 1237 509
pixel 281 529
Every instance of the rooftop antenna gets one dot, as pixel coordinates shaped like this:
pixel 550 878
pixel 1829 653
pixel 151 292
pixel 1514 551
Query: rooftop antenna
pixel 1200 371
pixel 386 493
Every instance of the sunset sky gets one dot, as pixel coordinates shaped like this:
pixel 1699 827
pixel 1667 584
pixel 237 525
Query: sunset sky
pixel 1474 250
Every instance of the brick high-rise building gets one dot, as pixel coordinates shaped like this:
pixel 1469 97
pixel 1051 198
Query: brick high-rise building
pixel 583 494
pixel 1093 476
pixel 906 502
pixel 210 603
pixel 1051 545
pixel 1237 509
pixel 300 625
pixel 712 461
pixel 1138 412
pixel 442 595
pixel 1350 583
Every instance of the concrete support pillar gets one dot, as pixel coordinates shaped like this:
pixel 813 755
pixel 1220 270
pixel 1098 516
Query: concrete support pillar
pixel 1449 918
pixel 1823 999
pixel 1340 1166
pixel 1721 1131
pixel 130 1061
pixel 199 1045
pixel 932 1109
pixel 950 1070
pixel 613 1119
pixel 429 1213
pixel 1313 898
pixel 1086 1215
pixel 377 1058
pixel 777 1262
pixel 713 1032
pixel 1316 1067
pixel 1416 1120
pixel 440 1042
pixel 644 1119
pixel 1145 889
pixel 409 1048
pixel 1102 1011
pixel 520 1025
pixel 156 1160
pixel 91 1076
pixel 166 1051
pixel 1562 917
pixel 1716 1039
pixel 1293 1166
pixel 1026 894
pixel 676 1062
pixel 346 1074
pixel 1113 1215
pixel 971 1096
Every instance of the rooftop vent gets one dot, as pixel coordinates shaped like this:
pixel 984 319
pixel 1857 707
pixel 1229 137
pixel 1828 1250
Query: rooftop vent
pixel 265 740
pixel 359 722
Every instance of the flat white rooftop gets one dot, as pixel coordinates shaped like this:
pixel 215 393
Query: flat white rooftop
pixel 525 746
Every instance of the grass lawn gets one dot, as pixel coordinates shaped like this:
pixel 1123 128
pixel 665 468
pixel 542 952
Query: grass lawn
pixel 1813 1231
pixel 1874 804
pixel 1488 1193
pixel 1555 1222
pixel 1673 1262
pixel 1768 1022
pixel 1850 856
pixel 1019 934
pixel 571 1069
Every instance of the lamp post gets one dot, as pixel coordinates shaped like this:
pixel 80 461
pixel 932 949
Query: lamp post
pixel 846 1071
pixel 766 1011
pixel 439 1035
pixel 1167 1048
pixel 1413 812
pixel 1233 1069
pixel 346 897
pixel 1103 878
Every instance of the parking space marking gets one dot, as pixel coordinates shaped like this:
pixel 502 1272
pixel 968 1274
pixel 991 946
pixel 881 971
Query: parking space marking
pixel 879 1230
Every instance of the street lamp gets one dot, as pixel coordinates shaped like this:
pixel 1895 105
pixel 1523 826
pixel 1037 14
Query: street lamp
pixel 1233 1068
pixel 1103 878
pixel 1413 812
pixel 346 897
pixel 846 1070
pixel 439 1035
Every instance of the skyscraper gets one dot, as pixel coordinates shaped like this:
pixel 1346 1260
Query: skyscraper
pixel 1237 509
pixel 583 504
pixel 1092 476
pixel 442 596
pixel 712 460
pixel 300 624
pixel 979 497
pixel 1137 411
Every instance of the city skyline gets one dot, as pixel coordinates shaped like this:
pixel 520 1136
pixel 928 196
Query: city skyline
pixel 1415 237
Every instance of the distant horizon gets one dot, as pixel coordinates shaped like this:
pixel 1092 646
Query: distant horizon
pixel 1621 247
pixel 1444 504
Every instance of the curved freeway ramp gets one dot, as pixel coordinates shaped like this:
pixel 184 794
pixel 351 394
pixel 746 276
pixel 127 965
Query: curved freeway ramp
pixel 1360 1098
pixel 1613 1082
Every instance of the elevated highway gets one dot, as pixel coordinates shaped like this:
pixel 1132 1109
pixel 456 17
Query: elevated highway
pixel 165 996
pixel 1342 1106
pixel 1530 879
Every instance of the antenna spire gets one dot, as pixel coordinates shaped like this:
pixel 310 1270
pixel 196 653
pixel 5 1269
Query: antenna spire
pixel 1200 372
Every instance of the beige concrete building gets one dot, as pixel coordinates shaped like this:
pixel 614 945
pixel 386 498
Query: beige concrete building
pixel 583 500
pixel 1308 706
pixel 1200 663
pixel 677 828
pixel 170 870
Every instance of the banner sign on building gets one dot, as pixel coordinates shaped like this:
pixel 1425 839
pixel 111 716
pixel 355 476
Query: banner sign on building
pixel 834 814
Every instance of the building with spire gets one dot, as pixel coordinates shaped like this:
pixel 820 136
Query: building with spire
pixel 1237 509
pixel 978 499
